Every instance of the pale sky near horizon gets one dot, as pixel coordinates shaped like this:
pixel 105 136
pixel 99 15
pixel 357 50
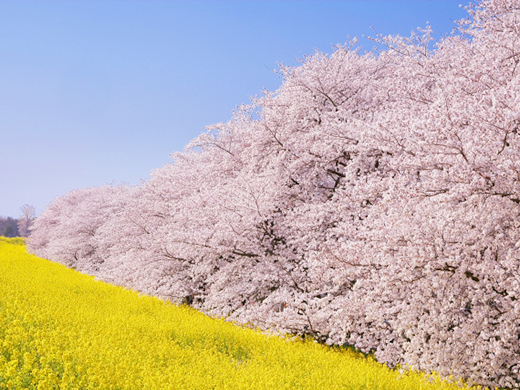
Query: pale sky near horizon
pixel 98 92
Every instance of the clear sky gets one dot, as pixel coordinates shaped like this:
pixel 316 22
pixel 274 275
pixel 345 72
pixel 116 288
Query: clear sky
pixel 97 92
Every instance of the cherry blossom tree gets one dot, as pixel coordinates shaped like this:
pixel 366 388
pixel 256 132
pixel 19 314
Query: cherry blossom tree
pixel 66 231
pixel 372 200
pixel 26 220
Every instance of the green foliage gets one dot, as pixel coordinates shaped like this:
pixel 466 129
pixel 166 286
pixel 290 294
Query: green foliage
pixel 12 240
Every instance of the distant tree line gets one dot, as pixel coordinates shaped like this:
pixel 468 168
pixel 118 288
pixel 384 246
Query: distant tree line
pixel 8 227
pixel 21 227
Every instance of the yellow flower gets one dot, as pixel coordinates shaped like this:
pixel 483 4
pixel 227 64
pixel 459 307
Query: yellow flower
pixel 60 329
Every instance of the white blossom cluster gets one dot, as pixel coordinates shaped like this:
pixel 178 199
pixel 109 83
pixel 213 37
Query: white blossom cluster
pixel 373 200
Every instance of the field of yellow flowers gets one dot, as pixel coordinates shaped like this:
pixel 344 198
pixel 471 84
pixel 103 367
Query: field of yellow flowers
pixel 60 329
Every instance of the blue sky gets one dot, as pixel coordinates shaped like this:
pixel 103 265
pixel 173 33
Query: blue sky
pixel 98 92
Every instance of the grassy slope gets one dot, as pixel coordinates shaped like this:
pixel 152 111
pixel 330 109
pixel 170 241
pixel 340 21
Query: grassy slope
pixel 60 329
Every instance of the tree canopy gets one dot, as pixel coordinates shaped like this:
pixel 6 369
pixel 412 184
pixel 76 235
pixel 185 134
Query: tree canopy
pixel 372 200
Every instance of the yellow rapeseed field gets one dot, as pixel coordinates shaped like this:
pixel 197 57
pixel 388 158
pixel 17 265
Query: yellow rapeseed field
pixel 60 329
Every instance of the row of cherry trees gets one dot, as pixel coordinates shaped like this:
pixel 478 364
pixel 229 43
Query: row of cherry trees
pixel 372 200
